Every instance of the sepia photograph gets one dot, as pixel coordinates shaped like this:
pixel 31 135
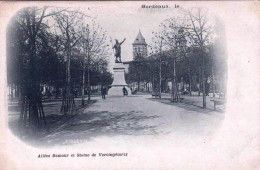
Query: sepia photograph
pixel 130 85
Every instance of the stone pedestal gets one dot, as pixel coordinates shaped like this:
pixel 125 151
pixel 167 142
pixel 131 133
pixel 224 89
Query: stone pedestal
pixel 119 81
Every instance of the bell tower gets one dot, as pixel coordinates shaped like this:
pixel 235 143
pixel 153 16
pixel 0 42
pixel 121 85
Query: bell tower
pixel 139 46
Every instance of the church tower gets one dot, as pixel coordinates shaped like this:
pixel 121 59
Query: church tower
pixel 139 46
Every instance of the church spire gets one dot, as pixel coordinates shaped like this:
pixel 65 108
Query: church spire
pixel 139 46
pixel 139 39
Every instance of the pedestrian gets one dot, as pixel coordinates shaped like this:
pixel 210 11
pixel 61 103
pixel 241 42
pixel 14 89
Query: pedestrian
pixel 125 91
pixel 103 92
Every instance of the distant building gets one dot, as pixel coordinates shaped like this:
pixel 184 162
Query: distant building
pixel 139 46
pixel 139 49
pixel 140 55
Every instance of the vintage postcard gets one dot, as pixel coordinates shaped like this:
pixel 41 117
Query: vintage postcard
pixel 130 85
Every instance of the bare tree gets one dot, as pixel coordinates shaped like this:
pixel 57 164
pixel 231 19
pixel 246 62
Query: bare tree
pixel 95 50
pixel 200 35
pixel 31 21
pixel 157 48
pixel 68 24
pixel 175 41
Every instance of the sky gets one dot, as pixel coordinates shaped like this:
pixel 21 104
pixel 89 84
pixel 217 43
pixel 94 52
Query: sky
pixel 126 21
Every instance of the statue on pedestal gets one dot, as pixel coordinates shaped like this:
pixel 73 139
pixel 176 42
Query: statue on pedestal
pixel 117 48
pixel 119 82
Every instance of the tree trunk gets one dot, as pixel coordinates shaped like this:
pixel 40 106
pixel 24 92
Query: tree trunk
pixel 12 92
pixel 203 80
pixel 213 81
pixel 199 81
pixel 68 102
pixel 15 92
pixel 153 83
pixel 160 76
pixel 138 83
pixel 31 95
pixel 175 94
pixel 89 91
pixel 182 79
pixel 83 85
pixel 189 82
pixel 19 93
pixel 172 95
pixel 57 92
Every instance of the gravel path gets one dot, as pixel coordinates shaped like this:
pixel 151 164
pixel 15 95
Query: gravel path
pixel 130 118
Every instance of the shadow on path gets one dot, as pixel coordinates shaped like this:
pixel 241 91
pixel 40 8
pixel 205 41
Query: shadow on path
pixel 189 106
pixel 86 126
pixel 54 120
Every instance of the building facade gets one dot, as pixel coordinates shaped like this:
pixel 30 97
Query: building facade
pixel 139 49
pixel 139 46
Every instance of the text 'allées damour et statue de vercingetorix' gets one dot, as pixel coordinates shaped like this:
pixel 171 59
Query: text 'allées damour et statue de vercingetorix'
pixel 119 73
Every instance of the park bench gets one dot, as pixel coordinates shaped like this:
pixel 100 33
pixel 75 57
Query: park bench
pixel 180 99
pixel 218 101
pixel 134 91
pixel 155 94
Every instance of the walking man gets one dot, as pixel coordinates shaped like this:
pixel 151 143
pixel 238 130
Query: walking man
pixel 103 92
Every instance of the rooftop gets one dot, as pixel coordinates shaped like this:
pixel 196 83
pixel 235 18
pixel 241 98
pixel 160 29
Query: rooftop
pixel 139 40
